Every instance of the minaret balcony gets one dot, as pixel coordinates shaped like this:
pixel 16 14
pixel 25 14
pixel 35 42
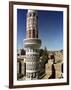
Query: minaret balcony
pixel 32 43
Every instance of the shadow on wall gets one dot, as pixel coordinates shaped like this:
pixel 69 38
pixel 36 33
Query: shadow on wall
pixel 53 73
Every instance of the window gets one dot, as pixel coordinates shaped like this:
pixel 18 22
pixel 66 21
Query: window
pixel 33 34
pixel 34 14
pixel 19 67
pixel 29 33
pixel 34 75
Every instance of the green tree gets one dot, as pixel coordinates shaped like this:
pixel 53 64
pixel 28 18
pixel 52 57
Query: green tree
pixel 45 55
pixel 23 52
pixel 41 52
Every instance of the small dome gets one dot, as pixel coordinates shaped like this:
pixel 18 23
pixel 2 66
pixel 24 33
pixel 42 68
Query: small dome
pixel 31 10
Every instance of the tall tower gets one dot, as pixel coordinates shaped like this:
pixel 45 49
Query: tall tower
pixel 32 44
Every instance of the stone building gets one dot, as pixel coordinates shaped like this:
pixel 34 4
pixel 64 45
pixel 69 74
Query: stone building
pixel 32 44
pixel 21 66
pixel 51 58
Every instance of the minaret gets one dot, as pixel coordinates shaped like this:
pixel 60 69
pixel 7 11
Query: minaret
pixel 32 44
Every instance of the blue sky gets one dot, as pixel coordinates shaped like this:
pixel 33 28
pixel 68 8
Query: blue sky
pixel 50 27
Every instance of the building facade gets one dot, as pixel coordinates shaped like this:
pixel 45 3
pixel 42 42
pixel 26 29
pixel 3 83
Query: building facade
pixel 32 44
